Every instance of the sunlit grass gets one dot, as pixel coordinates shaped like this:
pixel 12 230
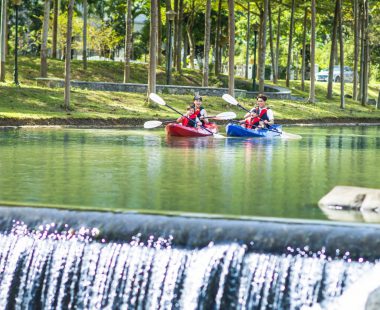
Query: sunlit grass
pixel 36 102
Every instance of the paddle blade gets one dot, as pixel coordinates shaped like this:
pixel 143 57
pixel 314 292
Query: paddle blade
pixel 217 135
pixel 287 135
pixel 231 100
pixel 152 124
pixel 225 116
pixel 157 99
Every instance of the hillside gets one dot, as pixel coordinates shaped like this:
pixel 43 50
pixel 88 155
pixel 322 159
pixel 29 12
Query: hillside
pixel 29 104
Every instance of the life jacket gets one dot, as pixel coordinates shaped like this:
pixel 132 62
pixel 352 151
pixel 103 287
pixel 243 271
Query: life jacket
pixel 187 122
pixel 252 122
pixel 263 113
pixel 263 116
pixel 198 113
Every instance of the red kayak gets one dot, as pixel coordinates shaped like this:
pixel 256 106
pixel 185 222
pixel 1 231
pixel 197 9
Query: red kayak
pixel 179 130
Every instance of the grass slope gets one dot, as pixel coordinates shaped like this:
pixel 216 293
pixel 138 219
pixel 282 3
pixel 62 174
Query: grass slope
pixel 29 103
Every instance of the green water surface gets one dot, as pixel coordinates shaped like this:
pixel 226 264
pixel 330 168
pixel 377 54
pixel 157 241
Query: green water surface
pixel 144 170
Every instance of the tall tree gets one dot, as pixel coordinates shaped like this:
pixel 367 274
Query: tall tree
pixel 278 39
pixel 341 54
pixel 248 39
pixel 152 48
pixel 55 29
pixel 190 34
pixel 217 39
pixel 206 44
pixel 176 32
pixel 231 47
pixel 303 69
pixel 128 42
pixel 45 30
pixel 356 49
pixel 332 52
pixel 290 44
pixel 272 54
pixel 364 69
pixel 68 54
pixel 263 47
pixel 179 37
pixel 312 54
pixel 84 51
pixel 159 33
pixel 3 28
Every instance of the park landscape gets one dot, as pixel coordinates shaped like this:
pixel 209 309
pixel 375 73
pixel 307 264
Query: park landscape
pixel 100 210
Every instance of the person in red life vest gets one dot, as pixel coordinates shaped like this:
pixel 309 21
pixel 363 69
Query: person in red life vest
pixel 190 119
pixel 200 111
pixel 252 121
pixel 262 112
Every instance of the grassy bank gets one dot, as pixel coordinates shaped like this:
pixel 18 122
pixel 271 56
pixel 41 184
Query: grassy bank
pixel 29 104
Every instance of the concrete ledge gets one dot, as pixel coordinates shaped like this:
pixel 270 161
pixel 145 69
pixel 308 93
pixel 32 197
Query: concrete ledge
pixel 140 88
pixel 348 203
pixel 350 197
pixel 273 92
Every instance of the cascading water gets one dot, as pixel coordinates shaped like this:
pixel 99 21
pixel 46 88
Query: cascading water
pixel 57 266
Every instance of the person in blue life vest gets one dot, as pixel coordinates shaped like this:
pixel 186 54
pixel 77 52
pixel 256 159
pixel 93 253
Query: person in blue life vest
pixel 190 118
pixel 261 112
pixel 200 111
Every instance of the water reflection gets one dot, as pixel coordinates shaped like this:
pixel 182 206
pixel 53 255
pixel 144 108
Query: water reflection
pixel 195 142
pixel 135 169
pixel 349 215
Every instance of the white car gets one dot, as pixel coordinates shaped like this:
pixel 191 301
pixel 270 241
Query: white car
pixel 323 75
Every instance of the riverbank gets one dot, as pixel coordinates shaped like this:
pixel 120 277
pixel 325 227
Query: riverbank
pixel 138 122
pixel 32 105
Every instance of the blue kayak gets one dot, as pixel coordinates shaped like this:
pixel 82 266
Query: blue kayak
pixel 236 130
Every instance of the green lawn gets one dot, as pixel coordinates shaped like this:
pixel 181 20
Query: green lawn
pixel 29 101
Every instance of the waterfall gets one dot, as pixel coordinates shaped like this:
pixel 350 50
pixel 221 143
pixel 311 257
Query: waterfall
pixel 59 266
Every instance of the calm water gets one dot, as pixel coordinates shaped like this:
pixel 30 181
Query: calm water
pixel 136 169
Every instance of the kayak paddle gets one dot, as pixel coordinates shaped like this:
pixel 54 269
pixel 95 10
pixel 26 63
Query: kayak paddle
pixel 220 116
pixel 157 99
pixel 231 100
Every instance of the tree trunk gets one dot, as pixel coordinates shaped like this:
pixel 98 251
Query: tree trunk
pixel 168 40
pixel 259 41
pixel 55 29
pixel 45 30
pixel 361 35
pixel 159 33
pixel 3 29
pixel 274 74
pixel 332 52
pixel 290 44
pixel 152 48
pixel 128 42
pixel 263 47
pixel 278 40
pixel 231 47
pixel 185 49
pixel 341 54
pixel 179 36
pixel 312 54
pixel 206 43
pixel 356 50
pixel 303 69
pixel 176 30
pixel 217 40
pixel 68 52
pixel 248 38
pixel 84 51
pixel 365 62
pixel 190 35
